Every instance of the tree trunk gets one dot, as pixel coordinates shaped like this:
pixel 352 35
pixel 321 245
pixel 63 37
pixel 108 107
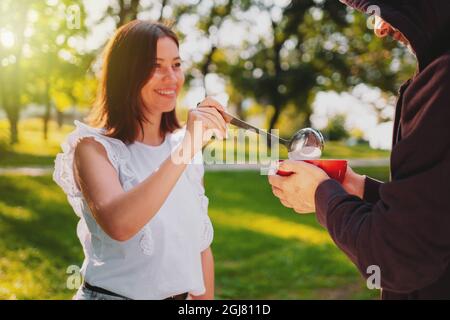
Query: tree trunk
pixel 307 122
pixel 240 110
pixel 48 107
pixel 47 98
pixel 14 131
pixel 12 104
pixel 205 66
pixel 276 95
pixel 122 13
pixel 274 118
pixel 46 120
pixel 13 119
pixel 163 4
pixel 134 9
pixel 127 12
pixel 273 121
pixel 59 118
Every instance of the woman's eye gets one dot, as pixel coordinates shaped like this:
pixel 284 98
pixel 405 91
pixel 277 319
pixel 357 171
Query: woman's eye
pixel 177 65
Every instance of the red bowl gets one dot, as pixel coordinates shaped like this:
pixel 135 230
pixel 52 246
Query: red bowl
pixel 336 169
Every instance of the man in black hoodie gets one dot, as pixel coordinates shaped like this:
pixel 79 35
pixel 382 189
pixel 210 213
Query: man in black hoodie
pixel 402 226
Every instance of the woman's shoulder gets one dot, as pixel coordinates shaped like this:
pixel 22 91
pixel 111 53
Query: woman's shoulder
pixel 86 139
pixel 88 143
pixel 89 149
pixel 84 130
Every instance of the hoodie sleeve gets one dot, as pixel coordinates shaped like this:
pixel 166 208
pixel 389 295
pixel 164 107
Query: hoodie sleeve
pixel 405 232
pixel 372 190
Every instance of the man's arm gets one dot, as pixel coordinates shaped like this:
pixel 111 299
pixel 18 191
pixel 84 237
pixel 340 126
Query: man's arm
pixel 405 232
pixel 371 190
pixel 402 234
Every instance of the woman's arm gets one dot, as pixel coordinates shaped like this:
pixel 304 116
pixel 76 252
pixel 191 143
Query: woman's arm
pixel 208 275
pixel 122 214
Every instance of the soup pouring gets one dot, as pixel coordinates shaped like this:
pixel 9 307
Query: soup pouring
pixel 306 145
pixel 307 142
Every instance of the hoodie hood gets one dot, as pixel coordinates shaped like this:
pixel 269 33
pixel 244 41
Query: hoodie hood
pixel 425 23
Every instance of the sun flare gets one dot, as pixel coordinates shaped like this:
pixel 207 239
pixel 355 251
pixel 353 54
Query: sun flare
pixel 7 38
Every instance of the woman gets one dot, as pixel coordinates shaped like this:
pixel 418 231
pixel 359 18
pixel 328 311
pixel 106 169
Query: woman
pixel 143 224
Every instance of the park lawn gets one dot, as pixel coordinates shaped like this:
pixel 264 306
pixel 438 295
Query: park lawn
pixel 33 151
pixel 262 250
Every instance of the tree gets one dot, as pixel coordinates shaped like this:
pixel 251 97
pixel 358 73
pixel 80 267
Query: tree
pixel 335 130
pixel 43 53
pixel 11 59
pixel 57 59
pixel 312 45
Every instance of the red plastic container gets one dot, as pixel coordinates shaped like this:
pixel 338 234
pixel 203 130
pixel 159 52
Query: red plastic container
pixel 336 169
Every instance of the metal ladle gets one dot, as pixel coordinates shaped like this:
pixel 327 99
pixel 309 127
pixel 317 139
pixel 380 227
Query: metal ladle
pixel 302 139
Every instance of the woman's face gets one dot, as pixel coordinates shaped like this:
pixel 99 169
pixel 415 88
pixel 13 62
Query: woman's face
pixel 160 92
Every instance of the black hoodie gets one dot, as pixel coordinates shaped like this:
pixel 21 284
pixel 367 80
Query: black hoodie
pixel 403 226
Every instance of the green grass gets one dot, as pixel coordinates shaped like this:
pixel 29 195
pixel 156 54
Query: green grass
pixel 338 150
pixel 33 151
pixel 262 250
pixel 38 239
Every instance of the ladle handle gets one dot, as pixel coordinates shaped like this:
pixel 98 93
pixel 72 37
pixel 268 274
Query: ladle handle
pixel 244 125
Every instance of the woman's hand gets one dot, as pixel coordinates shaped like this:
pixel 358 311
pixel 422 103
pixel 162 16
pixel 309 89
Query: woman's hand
pixel 354 183
pixel 204 122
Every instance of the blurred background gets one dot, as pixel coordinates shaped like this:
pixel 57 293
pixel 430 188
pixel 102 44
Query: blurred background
pixel 279 64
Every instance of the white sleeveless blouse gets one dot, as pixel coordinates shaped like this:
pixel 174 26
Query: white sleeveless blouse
pixel 164 258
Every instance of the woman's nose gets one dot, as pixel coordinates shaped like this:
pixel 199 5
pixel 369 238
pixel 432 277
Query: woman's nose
pixel 169 74
pixel 381 28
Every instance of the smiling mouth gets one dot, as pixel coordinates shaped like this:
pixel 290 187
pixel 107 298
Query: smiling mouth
pixel 166 93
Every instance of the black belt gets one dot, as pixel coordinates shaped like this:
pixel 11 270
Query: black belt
pixel 181 296
pixel 103 291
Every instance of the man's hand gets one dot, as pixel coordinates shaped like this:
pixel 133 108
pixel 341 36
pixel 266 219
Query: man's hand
pixel 298 190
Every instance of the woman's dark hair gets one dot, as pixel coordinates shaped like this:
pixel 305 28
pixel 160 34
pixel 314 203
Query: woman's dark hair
pixel 129 60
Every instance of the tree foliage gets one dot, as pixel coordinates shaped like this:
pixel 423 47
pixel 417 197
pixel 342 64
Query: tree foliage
pixel 305 46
